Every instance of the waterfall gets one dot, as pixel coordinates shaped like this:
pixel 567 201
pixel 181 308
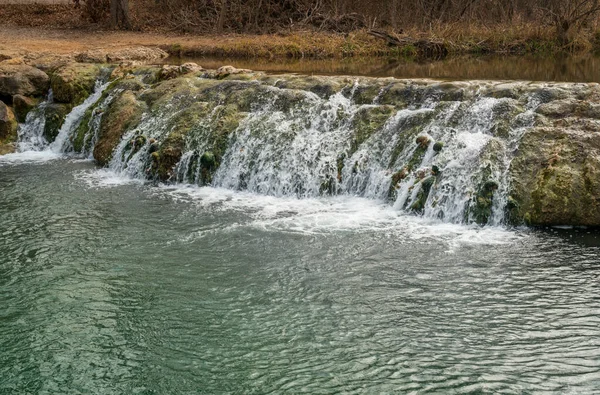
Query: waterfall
pixel 74 118
pixel 445 156
pixel 31 132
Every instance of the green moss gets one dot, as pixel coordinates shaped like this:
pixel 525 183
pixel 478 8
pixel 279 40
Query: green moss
pixel 124 113
pixel 55 116
pixel 481 208
pixel 74 82
pixel 208 165
pixel 366 122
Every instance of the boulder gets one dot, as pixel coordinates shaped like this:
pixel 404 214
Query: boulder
pixel 224 71
pixel 8 129
pixel 22 105
pixel 74 82
pixel 22 80
pixel 558 108
pixel 556 177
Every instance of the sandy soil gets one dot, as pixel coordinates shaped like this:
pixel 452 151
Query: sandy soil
pixel 15 40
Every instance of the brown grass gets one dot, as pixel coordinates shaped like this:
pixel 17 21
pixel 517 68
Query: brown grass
pixel 456 38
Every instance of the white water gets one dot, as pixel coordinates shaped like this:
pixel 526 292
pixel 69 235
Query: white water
pixel 297 152
pixel 73 119
pixel 33 146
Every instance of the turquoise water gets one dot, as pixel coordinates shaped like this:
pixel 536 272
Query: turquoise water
pixel 111 286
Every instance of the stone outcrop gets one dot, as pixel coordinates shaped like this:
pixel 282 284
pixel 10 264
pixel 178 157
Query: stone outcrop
pixel 74 82
pixel 22 80
pixel 533 149
pixel 144 54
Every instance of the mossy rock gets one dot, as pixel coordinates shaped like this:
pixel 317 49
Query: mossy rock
pixel 365 93
pixel 55 115
pixel 79 137
pixel 556 178
pixel 8 126
pixel 323 87
pixel 480 209
pixel 397 178
pixel 74 82
pixel 408 130
pixel 183 91
pixel 7 148
pixel 123 114
pixel 366 122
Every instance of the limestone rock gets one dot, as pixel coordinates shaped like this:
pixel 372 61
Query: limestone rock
pixel 22 105
pixel 74 82
pixel 22 80
pixel 224 71
pixel 558 108
pixel 8 129
pixel 170 71
pixel 123 113
pixel 556 177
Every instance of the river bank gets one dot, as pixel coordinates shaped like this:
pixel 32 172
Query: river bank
pixel 439 43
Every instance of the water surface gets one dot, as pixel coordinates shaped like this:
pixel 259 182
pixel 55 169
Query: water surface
pixel 575 68
pixel 111 286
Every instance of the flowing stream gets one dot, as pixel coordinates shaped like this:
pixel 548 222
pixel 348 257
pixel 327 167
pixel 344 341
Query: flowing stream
pixel 260 282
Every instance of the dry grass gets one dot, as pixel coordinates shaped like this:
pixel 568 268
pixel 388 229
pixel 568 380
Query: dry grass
pixel 295 45
pixel 457 38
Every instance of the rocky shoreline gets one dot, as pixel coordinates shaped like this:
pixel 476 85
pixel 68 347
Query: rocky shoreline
pixel 540 159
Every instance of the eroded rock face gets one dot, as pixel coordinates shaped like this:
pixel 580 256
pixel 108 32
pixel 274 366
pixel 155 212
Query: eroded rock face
pixel 556 176
pixel 22 80
pixel 74 82
pixel 124 113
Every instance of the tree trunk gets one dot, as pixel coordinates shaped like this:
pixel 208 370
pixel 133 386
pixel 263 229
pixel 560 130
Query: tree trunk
pixel 222 14
pixel 119 14
pixel 394 14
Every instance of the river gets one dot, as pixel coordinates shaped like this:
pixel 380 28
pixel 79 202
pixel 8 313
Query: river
pixel 115 286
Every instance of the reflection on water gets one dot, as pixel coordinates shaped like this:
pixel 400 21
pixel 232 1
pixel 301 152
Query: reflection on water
pixel 532 68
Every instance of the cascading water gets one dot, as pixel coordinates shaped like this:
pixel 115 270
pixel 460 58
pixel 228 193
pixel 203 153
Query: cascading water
pixel 31 133
pixel 443 155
